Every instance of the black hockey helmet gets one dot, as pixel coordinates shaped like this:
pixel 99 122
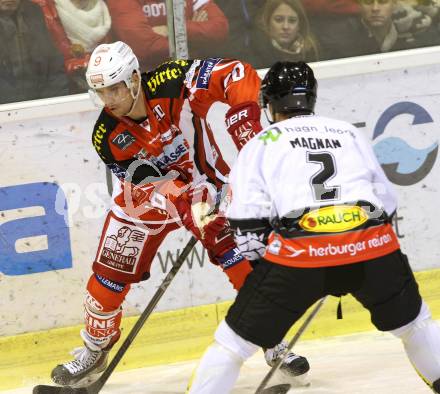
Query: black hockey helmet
pixel 289 87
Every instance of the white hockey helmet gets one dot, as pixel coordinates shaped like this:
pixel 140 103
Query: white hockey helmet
pixel 110 64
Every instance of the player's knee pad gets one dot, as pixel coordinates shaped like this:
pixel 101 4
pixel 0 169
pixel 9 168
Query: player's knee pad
pixel 103 312
pixel 226 337
pixel 422 319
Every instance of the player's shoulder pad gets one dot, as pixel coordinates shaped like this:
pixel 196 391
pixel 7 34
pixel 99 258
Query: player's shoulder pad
pixel 103 127
pixel 167 80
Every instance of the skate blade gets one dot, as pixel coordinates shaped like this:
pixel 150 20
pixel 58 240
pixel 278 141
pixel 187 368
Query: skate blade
pixel 87 380
pixel 296 381
pixel 277 389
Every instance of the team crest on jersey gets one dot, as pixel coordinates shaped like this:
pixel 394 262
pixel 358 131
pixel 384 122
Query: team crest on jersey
pixel 122 247
pixel 205 72
pixel 124 140
pixel 146 125
pixel 333 219
pixel 158 112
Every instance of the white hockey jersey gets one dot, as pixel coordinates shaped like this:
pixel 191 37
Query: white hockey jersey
pixel 317 182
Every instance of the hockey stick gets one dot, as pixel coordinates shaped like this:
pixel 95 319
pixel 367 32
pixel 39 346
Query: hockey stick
pixel 96 386
pixel 284 388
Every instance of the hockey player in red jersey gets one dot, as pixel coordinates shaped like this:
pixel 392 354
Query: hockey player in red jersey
pixel 312 204
pixel 153 135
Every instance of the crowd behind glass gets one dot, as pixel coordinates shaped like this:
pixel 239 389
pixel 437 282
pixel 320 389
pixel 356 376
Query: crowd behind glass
pixel 46 44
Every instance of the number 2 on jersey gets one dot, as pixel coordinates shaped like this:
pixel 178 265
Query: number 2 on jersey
pixel 321 191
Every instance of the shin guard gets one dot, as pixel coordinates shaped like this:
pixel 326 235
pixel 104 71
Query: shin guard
pixel 219 368
pixel 103 312
pixel 421 339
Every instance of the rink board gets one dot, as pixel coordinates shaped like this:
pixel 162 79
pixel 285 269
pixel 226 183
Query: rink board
pixel 55 195
pixel 174 336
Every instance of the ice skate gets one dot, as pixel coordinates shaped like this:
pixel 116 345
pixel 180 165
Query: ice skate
pixel 436 386
pixel 294 366
pixel 85 368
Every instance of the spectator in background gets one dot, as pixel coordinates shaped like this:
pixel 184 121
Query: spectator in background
pixel 284 35
pixel 373 31
pixel 142 24
pixel 77 27
pixel 30 65
pixel 326 17
pixel 418 19
pixel 242 19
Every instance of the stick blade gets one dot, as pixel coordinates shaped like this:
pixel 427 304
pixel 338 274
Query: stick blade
pixel 277 389
pixel 44 389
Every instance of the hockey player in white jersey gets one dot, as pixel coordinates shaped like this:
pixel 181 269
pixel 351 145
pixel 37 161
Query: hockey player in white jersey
pixel 312 205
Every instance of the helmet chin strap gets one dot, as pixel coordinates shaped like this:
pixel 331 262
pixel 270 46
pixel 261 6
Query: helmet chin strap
pixel 134 96
pixel 268 115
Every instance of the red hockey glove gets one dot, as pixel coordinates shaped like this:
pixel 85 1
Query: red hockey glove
pixel 194 208
pixel 183 206
pixel 243 122
pixel 222 250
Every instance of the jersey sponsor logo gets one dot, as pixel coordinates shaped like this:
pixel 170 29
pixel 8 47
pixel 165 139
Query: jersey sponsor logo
pixel 315 143
pixel 122 247
pixel 169 134
pixel 165 159
pixel 162 76
pixel 98 136
pixel 333 249
pixel 271 135
pixel 205 72
pixel 351 249
pixel 93 302
pixel 294 252
pixel 158 112
pixel 101 327
pixel 116 169
pixel 171 153
pixel 333 219
pixel 301 129
pixel 114 286
pixel 275 246
pixel 231 258
pixel 123 140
